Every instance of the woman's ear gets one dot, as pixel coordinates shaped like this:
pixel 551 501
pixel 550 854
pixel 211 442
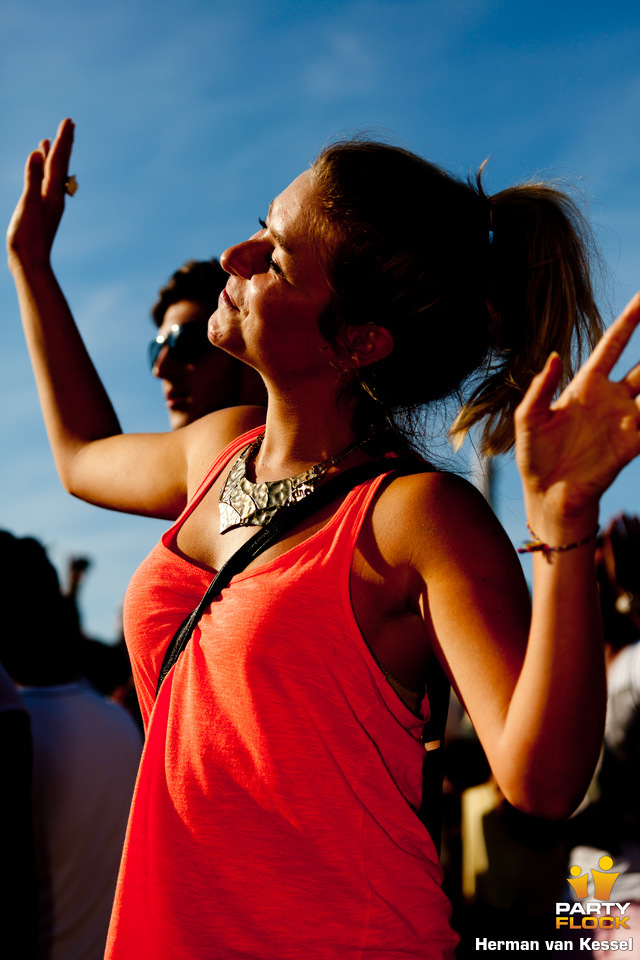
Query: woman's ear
pixel 367 343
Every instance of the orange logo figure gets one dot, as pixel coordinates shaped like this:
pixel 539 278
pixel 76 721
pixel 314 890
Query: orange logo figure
pixel 603 882
pixel 580 883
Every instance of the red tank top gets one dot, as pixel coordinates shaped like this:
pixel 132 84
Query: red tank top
pixel 273 817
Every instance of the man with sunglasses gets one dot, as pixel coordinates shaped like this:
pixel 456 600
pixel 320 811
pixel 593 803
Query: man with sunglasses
pixel 197 378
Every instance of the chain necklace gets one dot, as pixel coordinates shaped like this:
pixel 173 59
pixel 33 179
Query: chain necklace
pixel 247 504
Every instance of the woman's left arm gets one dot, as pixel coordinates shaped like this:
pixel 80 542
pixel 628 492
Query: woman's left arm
pixel 569 451
pixel 536 694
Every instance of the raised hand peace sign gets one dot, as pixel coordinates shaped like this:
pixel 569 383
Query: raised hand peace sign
pixel 570 450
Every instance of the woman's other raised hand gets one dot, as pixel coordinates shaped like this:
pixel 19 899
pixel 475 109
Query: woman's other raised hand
pixel 570 450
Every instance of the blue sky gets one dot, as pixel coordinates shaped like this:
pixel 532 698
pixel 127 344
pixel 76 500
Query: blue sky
pixel 191 117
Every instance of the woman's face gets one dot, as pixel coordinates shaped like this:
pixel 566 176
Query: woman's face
pixel 268 312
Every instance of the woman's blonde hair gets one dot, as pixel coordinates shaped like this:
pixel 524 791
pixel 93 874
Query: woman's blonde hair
pixel 476 290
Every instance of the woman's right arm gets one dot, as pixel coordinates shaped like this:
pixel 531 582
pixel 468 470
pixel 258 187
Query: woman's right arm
pixel 135 473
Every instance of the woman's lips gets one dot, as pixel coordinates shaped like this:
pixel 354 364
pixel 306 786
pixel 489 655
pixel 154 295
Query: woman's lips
pixel 227 299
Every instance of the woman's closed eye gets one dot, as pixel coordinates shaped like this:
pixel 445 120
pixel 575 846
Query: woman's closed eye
pixel 271 263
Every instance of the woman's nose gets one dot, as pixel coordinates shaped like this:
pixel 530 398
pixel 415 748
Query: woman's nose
pixel 244 259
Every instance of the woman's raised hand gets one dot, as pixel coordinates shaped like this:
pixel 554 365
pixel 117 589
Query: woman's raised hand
pixel 35 220
pixel 569 451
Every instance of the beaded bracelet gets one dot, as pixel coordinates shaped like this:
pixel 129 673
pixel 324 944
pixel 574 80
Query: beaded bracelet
pixel 531 546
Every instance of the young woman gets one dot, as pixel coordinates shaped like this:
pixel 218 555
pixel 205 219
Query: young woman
pixel 275 810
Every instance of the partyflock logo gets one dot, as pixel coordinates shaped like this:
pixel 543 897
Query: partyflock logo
pixel 599 910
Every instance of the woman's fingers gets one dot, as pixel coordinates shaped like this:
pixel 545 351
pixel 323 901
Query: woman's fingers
pixel 632 380
pixel 609 348
pixel 33 173
pixel 538 399
pixel 57 159
pixel 37 215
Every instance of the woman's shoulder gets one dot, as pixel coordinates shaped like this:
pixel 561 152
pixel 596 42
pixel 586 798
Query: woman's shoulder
pixel 434 516
pixel 427 488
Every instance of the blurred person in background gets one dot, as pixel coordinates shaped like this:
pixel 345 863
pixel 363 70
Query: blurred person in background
pixel 106 665
pixel 197 378
pixel 86 751
pixel 19 900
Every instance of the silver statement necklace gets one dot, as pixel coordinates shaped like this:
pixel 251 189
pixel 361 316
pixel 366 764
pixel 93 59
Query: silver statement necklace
pixel 247 504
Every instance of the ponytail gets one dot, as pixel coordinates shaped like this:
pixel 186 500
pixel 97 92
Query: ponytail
pixel 540 299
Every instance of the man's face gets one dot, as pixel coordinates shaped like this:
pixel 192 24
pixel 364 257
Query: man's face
pixel 197 378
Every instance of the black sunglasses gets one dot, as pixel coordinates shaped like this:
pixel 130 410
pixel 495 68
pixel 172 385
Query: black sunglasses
pixel 186 343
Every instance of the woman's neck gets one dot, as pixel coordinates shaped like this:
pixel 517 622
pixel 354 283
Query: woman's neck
pixel 300 433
